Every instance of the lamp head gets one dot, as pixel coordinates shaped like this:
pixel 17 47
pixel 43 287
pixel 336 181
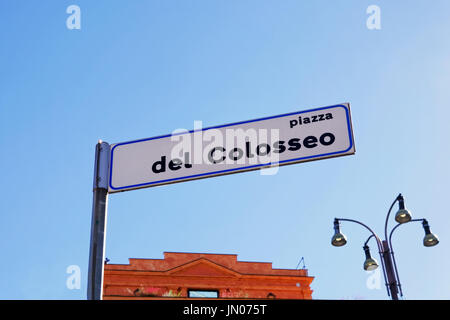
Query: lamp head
pixel 403 215
pixel 370 263
pixel 338 239
pixel 430 239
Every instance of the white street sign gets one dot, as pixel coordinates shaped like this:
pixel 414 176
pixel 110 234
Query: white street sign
pixel 243 146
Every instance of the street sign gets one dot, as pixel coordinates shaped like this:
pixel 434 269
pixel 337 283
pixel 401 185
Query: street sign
pixel 186 155
pixel 243 146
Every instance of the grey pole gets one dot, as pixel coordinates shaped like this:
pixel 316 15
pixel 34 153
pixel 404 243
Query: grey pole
pixel 98 223
pixel 390 270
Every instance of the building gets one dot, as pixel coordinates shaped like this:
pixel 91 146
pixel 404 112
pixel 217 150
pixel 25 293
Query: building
pixel 203 275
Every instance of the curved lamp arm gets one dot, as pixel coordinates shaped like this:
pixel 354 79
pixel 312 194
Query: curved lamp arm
pixel 398 225
pixel 379 244
pixel 368 239
pixel 392 251
pixel 389 213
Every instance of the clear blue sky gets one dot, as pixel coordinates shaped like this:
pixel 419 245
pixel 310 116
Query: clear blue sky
pixel 138 69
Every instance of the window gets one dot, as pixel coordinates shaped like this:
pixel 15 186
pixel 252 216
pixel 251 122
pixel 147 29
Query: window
pixel 203 293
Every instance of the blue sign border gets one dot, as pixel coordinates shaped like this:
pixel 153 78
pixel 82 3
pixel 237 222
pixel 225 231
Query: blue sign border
pixel 142 185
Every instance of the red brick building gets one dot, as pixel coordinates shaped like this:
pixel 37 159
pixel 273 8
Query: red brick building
pixel 202 275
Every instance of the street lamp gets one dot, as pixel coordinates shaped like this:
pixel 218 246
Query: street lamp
pixel 430 239
pixel 403 215
pixel 338 239
pixel 370 263
pixel 385 248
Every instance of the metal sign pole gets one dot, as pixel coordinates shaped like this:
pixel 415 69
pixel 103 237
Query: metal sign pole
pixel 98 224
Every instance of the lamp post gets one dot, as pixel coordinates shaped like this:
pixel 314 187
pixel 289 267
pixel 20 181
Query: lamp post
pixel 385 248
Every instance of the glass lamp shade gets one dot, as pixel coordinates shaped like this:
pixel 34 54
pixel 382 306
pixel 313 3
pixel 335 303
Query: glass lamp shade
pixel 430 240
pixel 338 240
pixel 370 264
pixel 402 216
